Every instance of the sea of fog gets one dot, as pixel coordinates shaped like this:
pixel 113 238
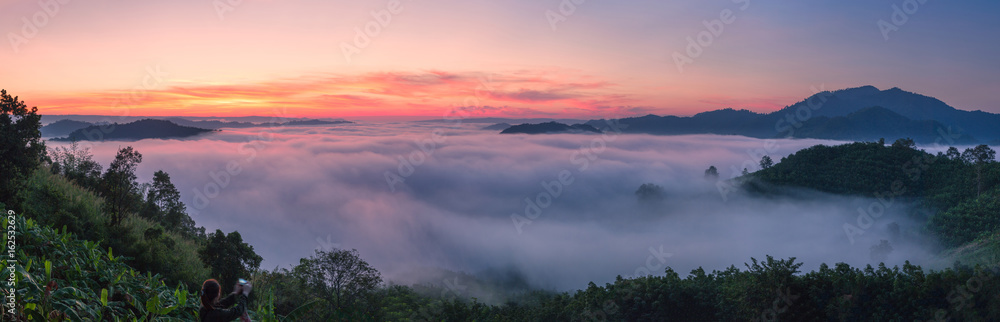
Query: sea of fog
pixel 554 211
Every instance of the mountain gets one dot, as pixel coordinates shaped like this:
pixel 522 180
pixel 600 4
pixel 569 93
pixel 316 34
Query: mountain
pixel 862 113
pixel 978 124
pixel 870 123
pixel 99 119
pixel 138 130
pixel 63 127
pixel 502 120
pixel 550 127
pixel 497 127
pixel 216 124
pixel 311 122
pixel 210 124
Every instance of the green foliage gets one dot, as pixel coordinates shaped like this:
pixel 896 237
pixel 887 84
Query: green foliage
pixel 20 145
pixel 120 190
pixel 54 201
pixel 861 168
pixel 76 164
pixel 60 277
pixel 340 277
pixel 766 162
pixel 163 205
pixel 229 258
pixel 962 189
pixel 969 220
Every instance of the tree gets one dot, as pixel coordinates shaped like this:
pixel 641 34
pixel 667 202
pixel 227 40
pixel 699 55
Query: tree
pixel 229 257
pixel 20 145
pixel 340 276
pixel 953 154
pixel 979 156
pixel 712 174
pixel 765 162
pixel 77 164
pixel 163 204
pixel 119 184
pixel 648 193
pixel 905 143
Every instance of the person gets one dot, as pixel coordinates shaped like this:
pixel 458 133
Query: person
pixel 213 309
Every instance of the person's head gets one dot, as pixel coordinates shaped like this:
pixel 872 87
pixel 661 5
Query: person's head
pixel 210 292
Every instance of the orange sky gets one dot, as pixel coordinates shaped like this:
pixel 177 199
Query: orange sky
pixel 187 57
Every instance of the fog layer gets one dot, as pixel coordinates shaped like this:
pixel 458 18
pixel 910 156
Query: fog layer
pixel 557 210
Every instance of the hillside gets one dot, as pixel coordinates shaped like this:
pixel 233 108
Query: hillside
pixel 497 127
pixel 63 128
pixel 138 130
pixel 549 128
pixel 961 192
pixel 863 113
pixel 870 123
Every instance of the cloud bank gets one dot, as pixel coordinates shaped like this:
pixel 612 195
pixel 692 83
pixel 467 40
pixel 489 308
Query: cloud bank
pixel 465 200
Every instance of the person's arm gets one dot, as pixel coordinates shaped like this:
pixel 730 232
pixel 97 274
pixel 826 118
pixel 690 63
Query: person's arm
pixel 231 313
pixel 228 300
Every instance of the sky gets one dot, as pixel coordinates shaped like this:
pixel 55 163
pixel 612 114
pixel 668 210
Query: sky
pixel 517 58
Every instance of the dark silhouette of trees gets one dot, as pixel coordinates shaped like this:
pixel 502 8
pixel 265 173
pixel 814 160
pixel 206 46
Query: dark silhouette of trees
pixel 650 193
pixel 953 154
pixel 20 145
pixel 120 188
pixel 76 164
pixel 339 276
pixel 712 174
pixel 229 258
pixel 766 162
pixel 906 143
pixel 979 156
pixel 163 204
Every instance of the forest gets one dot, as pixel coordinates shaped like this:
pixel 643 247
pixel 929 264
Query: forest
pixel 93 243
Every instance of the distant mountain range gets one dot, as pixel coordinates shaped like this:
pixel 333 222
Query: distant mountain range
pixel 855 114
pixel 138 130
pixel 550 127
pixel 503 120
pixel 497 127
pixel 103 119
pixel 215 124
pixel 65 129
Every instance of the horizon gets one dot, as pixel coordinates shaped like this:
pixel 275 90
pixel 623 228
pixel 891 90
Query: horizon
pixel 554 59
pixel 418 118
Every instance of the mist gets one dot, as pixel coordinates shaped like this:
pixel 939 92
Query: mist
pixel 556 211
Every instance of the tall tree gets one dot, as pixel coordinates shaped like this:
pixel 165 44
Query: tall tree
pixel 953 154
pixel 339 276
pixel 229 257
pixel 163 204
pixel 765 162
pixel 979 156
pixel 120 188
pixel 712 173
pixel 20 145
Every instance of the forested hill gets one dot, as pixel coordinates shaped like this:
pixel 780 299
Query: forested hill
pixel 138 130
pixel 960 188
